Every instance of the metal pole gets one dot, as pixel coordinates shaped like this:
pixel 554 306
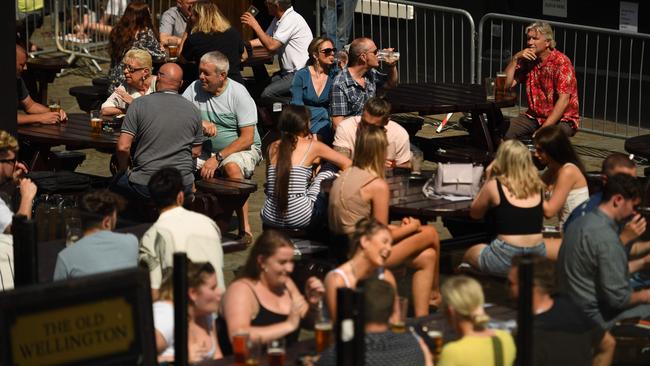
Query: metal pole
pixel 525 313
pixel 25 255
pixel 350 342
pixel 180 309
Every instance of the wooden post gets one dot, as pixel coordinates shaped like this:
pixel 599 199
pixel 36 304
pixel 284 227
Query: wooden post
pixel 180 309
pixel 350 332
pixel 25 255
pixel 525 313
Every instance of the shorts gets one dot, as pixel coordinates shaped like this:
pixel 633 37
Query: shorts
pixel 496 258
pixel 246 160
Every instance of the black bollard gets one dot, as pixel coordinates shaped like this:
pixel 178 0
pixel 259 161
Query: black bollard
pixel 25 254
pixel 180 309
pixel 350 332
pixel 525 313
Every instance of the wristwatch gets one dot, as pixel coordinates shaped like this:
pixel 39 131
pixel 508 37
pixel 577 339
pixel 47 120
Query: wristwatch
pixel 219 157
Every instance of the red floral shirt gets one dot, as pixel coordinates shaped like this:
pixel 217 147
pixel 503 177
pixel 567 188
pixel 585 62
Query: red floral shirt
pixel 545 81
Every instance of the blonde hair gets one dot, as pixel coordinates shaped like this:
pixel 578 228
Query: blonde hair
pixel 209 18
pixel 465 296
pixel 514 168
pixel 143 57
pixel 370 149
pixel 7 143
pixel 544 29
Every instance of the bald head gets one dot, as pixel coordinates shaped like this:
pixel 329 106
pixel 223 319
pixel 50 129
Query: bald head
pixel 21 60
pixel 170 77
pixel 357 48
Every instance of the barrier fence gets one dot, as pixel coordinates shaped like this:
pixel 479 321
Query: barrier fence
pixel 436 43
pixel 611 69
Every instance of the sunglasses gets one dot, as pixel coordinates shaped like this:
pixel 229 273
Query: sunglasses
pixel 9 161
pixel 328 51
pixel 374 52
pixel 132 69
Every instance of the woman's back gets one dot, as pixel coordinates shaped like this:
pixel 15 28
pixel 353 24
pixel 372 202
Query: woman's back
pixel 346 205
pixel 517 216
pixel 228 42
pixel 478 350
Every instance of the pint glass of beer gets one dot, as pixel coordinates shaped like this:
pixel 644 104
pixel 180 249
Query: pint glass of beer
pixel 276 352
pixel 96 121
pixel 240 348
pixel 500 84
pixel 323 335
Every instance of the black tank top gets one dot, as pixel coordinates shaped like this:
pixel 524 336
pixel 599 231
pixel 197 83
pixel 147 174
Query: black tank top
pixel 264 317
pixel 513 220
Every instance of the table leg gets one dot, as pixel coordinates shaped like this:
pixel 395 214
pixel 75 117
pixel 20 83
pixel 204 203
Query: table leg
pixel 480 132
pixel 39 159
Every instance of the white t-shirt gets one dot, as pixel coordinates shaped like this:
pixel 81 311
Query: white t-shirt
pixel 399 146
pixel 181 230
pixel 6 262
pixel 115 101
pixel 6 216
pixel 163 322
pixel 116 7
pixel 295 35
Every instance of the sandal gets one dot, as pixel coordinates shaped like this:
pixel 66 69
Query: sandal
pixel 246 238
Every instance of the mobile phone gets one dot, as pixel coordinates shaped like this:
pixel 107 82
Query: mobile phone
pixel 253 10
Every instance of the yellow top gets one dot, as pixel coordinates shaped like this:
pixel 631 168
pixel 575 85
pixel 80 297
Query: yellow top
pixel 477 351
pixel 26 6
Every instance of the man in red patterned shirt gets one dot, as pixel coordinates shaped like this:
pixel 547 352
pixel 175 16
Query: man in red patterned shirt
pixel 551 86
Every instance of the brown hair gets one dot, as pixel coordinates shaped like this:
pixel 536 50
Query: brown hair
pixel 366 227
pixel 294 122
pixel 137 17
pixel 265 246
pixel 378 107
pixel 370 150
pixel 314 48
pixel 616 160
pixel 197 275
pixel 543 272
pixel 555 143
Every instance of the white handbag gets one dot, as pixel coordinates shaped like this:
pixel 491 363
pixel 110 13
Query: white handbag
pixel 453 179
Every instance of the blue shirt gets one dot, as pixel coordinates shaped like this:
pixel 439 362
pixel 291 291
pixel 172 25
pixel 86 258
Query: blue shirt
pixel 102 251
pixel 303 93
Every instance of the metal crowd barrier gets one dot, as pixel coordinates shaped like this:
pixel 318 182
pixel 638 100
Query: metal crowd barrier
pixel 611 69
pixel 436 43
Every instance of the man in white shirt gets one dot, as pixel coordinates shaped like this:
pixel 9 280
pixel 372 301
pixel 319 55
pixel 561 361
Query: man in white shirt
pixel 288 36
pixel 10 172
pixel 177 230
pixel 375 112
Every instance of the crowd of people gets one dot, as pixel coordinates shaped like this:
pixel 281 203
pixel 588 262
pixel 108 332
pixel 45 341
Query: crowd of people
pixel 335 126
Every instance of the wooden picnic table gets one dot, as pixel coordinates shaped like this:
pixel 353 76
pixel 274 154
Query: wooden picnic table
pixel 44 70
pixel 440 98
pixel 75 134
pixel 230 193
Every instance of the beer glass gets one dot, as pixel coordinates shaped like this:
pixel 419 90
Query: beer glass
pixel 96 121
pixel 436 337
pixel 399 325
pixel 240 348
pixel 172 48
pixel 276 352
pixel 383 55
pixel 254 352
pixel 322 328
pixel 417 157
pixel 500 84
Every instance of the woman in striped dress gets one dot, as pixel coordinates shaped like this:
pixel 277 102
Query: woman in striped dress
pixel 293 198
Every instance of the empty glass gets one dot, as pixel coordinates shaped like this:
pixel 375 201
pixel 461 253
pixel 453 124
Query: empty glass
pixel 490 85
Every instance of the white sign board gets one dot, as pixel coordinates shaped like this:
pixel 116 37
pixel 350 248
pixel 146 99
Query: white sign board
pixel 629 17
pixel 555 8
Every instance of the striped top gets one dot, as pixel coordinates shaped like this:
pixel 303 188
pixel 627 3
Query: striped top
pixel 302 193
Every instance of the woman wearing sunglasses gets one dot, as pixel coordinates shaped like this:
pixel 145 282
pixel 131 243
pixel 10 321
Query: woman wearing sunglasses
pixel 311 86
pixel 138 81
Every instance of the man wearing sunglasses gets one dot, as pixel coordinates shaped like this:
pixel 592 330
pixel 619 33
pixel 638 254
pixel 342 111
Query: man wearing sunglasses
pixel 288 36
pixel 34 112
pixel 353 86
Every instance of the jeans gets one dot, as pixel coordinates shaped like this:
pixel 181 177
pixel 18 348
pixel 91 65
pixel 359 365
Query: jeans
pixel 337 20
pixel 129 190
pixel 279 90
pixel 523 128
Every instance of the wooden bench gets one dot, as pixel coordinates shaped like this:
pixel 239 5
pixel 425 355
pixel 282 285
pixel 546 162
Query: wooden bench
pixel 89 97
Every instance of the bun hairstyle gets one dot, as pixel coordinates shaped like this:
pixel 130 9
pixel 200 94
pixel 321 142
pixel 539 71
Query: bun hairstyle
pixel 465 296
pixel 367 226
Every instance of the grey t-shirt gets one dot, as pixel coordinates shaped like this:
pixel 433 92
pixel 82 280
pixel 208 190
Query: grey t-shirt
pixel 592 267
pixel 173 22
pixel 165 126
pixel 103 251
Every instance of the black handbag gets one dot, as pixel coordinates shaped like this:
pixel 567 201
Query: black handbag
pixel 59 181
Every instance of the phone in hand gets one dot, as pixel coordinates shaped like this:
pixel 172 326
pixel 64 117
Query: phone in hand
pixel 253 10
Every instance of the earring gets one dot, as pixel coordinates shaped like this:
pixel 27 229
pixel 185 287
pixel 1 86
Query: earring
pixel 265 269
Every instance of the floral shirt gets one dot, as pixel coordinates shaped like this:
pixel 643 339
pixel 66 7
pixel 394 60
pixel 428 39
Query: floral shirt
pixel 545 81
pixel 144 39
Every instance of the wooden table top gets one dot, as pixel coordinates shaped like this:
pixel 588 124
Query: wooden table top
pixel 439 98
pixel 76 133
pixel 227 186
pixel 407 199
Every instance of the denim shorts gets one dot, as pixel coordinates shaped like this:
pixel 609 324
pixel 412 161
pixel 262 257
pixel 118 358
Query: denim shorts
pixel 496 258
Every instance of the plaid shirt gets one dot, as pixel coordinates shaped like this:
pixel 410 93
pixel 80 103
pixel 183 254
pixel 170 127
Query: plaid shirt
pixel 544 82
pixel 347 97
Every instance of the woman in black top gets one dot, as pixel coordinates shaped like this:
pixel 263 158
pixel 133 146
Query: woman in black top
pixel 210 31
pixel 264 302
pixel 513 192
